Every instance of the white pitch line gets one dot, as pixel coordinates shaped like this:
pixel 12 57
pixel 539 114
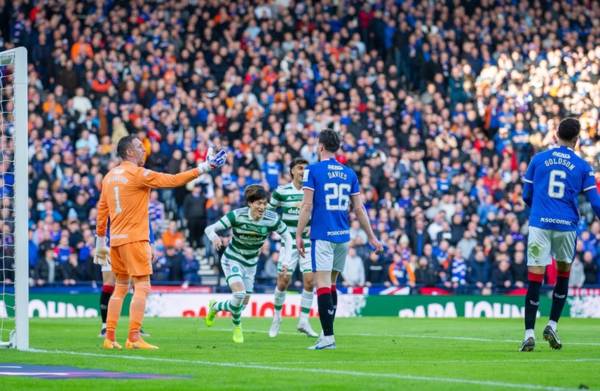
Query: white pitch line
pixel 443 337
pixel 377 375
pixel 391 361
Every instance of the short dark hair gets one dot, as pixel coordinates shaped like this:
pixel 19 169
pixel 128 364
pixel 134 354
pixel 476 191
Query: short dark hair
pixel 297 161
pixel 569 129
pixel 330 140
pixel 124 145
pixel 255 193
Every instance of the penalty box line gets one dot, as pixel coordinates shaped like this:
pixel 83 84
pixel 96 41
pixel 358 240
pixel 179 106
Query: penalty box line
pixel 377 375
pixel 443 337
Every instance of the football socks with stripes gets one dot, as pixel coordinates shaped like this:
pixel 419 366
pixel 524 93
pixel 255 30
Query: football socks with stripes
pixel 326 310
pixel 559 296
pixel 107 291
pixel 532 299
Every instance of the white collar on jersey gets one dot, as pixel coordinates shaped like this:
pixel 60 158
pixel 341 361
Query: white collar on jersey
pixel 250 215
pixel 556 146
pixel 326 160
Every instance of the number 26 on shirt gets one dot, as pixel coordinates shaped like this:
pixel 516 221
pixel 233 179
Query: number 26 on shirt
pixel 337 196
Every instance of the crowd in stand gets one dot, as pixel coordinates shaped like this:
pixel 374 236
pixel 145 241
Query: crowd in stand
pixel 440 106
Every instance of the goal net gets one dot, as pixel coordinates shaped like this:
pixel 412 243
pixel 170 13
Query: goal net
pixel 14 263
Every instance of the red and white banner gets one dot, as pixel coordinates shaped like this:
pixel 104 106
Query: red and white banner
pixel 260 305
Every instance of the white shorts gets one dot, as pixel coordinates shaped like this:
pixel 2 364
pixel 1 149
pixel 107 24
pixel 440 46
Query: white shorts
pixel 328 256
pixel 545 244
pixel 305 263
pixel 235 270
pixel 106 267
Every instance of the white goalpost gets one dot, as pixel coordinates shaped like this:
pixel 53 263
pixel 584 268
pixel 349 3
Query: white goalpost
pixel 14 195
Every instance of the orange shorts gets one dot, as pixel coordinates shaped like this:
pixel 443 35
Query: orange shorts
pixel 134 259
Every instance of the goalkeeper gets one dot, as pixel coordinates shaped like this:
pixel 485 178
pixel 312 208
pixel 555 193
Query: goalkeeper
pixel 124 199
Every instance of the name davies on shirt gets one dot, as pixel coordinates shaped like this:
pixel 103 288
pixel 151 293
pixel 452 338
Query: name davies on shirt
pixel 334 171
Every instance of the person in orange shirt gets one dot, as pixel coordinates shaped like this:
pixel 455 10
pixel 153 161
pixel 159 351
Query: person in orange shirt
pixel 171 235
pixel 81 48
pixel 52 107
pixel 101 84
pixel 124 200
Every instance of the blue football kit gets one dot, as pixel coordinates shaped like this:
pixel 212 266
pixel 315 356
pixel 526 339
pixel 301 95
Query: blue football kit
pixel 333 185
pixel 553 181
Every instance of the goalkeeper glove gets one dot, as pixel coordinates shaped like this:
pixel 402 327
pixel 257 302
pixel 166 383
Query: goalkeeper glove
pixel 213 160
pixel 102 255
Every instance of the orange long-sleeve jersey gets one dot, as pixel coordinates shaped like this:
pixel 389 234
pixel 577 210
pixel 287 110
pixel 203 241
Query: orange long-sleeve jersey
pixel 125 196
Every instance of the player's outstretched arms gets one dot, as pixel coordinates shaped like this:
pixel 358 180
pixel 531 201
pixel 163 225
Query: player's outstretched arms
pixel 157 180
pixel 305 213
pixel 222 224
pixel 528 181
pixel 527 193
pixel 102 213
pixel 286 255
pixel 101 254
pixel 211 232
pixel 363 219
pixel 213 161
pixel 594 199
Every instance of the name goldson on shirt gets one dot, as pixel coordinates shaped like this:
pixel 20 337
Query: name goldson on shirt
pixel 559 161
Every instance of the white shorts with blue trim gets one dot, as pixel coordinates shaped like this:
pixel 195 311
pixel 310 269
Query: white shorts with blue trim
pixel 545 244
pixel 328 256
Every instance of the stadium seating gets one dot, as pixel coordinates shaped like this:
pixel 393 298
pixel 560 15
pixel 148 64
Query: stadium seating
pixel 439 116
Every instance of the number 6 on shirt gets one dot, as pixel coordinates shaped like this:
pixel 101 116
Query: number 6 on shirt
pixel 556 188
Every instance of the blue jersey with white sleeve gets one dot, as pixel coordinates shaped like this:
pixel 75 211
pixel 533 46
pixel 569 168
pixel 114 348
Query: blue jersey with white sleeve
pixel 553 181
pixel 333 184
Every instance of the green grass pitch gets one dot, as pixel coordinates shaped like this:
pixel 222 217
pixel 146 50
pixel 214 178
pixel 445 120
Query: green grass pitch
pixel 373 353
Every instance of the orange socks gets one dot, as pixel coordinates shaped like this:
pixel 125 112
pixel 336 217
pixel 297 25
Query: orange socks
pixel 137 308
pixel 114 308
